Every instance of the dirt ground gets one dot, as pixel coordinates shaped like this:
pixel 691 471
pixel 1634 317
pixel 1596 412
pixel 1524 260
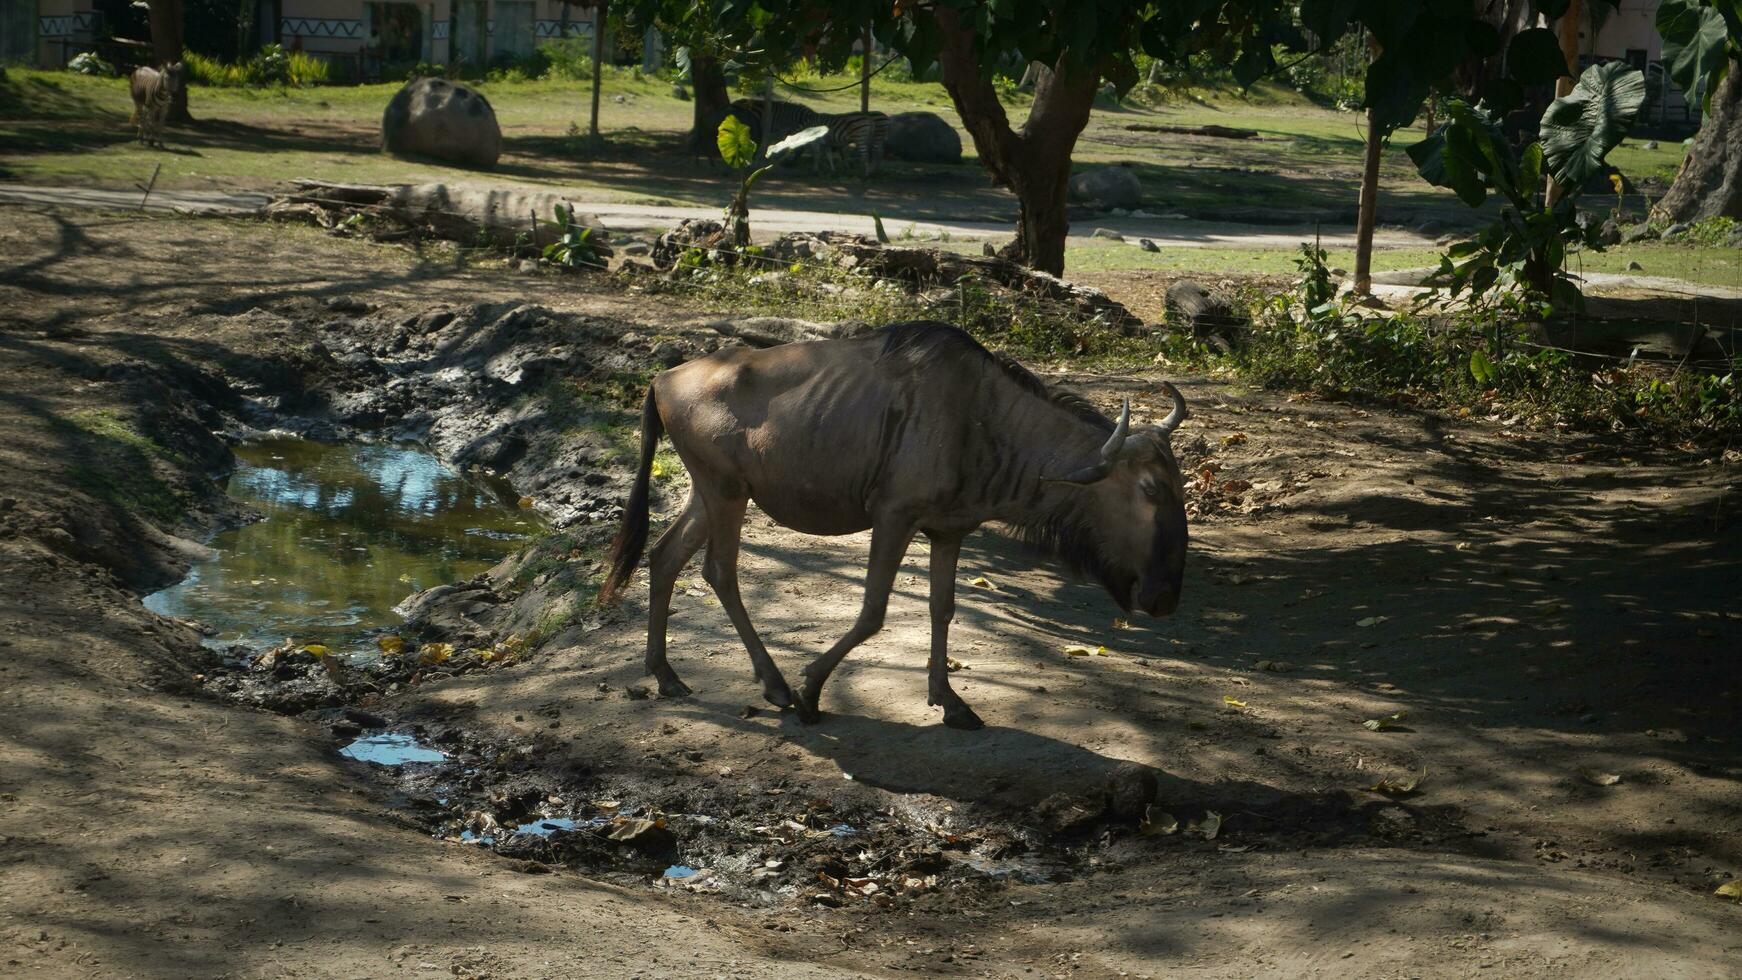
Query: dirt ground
pixel 1549 610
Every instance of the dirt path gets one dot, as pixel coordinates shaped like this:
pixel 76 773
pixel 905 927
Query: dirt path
pixel 1165 231
pixel 1548 611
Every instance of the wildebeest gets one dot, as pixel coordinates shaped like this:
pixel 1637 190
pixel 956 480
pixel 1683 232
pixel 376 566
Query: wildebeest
pixel 914 428
pixel 154 91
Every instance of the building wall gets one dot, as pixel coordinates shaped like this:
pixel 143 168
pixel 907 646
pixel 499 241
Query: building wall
pixel 63 28
pixel 1631 28
pixel 341 27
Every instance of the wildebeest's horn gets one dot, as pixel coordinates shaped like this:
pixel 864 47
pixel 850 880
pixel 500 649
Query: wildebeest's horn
pixel 1178 414
pixel 1109 452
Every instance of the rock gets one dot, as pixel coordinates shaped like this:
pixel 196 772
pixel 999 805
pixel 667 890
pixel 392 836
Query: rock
pixel 1147 245
pixel 434 117
pixel 680 93
pixel 1651 144
pixel 1131 787
pixel 1109 234
pixel 1638 233
pixel 637 248
pixel 1062 813
pixel 1609 233
pixel 1203 312
pixel 1676 230
pixel 1432 227
pixel 922 137
pixel 1634 266
pixel 1106 187
pixel 987 250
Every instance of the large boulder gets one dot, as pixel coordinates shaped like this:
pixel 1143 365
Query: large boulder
pixel 433 117
pixel 1106 187
pixel 922 137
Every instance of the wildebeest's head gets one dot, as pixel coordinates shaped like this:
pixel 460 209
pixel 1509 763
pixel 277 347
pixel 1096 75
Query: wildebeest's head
pixel 174 76
pixel 1129 522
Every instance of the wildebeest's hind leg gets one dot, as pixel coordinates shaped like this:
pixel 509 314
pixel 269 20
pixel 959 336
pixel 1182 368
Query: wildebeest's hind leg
pixel 668 557
pixel 720 568
pixel 945 549
pixel 888 544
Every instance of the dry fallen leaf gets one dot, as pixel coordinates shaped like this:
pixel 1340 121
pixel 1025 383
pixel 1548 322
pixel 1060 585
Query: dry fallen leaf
pixel 1596 778
pixel 316 649
pixel 1156 823
pixel 1381 724
pixel 983 582
pixel 1120 624
pixel 390 644
pixel 1405 786
pixel 525 502
pixel 1208 827
pixel 1730 889
pixel 1077 650
pixel 1371 621
pixel 1232 702
pixel 434 653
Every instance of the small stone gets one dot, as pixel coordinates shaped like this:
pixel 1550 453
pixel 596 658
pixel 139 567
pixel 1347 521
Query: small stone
pixel 1634 266
pixel 1109 234
pixel 1147 245
pixel 1651 144
pixel 635 692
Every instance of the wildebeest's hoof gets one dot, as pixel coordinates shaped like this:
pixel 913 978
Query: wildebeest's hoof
pixel 959 715
pixel 778 694
pixel 671 687
pixel 807 712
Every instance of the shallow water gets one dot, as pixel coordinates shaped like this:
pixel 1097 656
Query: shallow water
pixel 349 531
pixel 391 750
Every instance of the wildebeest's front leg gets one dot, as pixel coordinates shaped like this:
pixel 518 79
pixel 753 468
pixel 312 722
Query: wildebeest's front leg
pixel 888 544
pixel 945 549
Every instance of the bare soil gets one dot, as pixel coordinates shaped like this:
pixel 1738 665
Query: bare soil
pixel 1548 610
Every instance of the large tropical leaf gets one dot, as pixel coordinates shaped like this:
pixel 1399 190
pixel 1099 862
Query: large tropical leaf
pixel 1694 38
pixel 1579 130
pixel 1467 154
pixel 737 146
pixel 1534 57
pixel 797 141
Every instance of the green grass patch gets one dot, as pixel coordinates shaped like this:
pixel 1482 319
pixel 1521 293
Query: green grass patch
pixel 119 465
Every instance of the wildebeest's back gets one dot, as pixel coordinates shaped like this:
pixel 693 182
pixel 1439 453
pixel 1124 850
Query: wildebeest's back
pixel 819 434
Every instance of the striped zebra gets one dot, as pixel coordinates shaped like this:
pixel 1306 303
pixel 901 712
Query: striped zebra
pixel 789 118
pixel 863 132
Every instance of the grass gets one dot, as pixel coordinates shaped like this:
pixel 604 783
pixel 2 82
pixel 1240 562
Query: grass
pixel 117 466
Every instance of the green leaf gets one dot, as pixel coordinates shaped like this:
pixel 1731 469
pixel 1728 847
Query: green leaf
pixel 1327 19
pixel 1694 37
pixel 1535 58
pixel 1481 368
pixel 797 141
pixel 737 146
pixel 1385 721
pixel 1579 130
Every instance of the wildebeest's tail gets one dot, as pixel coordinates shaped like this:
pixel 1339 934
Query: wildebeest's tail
pixel 632 536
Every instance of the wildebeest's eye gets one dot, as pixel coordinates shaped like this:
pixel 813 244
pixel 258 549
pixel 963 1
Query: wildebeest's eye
pixel 1150 489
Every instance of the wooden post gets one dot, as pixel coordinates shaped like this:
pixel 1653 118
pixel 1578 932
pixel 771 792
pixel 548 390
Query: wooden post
pixel 600 13
pixel 865 72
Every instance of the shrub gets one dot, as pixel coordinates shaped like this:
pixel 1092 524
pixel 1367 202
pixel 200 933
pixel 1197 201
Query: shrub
pixel 87 63
pixel 570 58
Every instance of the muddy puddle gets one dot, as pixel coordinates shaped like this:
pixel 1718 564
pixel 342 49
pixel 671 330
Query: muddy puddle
pixel 347 532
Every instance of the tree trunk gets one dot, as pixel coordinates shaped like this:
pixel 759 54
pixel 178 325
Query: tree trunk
pixel 1034 162
pixel 1367 211
pixel 865 72
pixel 599 15
pixel 1709 184
pixel 166 49
pixel 712 100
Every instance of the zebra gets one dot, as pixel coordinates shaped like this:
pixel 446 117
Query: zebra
pixel 789 118
pixel 154 91
pixel 865 132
